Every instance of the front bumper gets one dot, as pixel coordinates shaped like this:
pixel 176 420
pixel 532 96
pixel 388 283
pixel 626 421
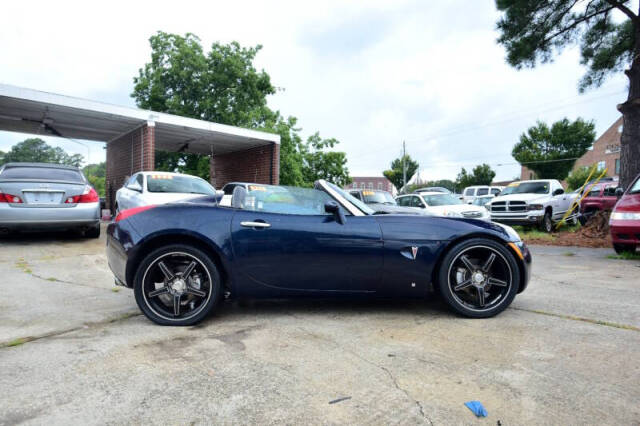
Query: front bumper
pixel 525 265
pixel 525 218
pixel 625 231
pixel 17 217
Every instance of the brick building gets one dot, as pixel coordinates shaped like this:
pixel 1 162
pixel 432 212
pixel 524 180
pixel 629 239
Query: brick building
pixel 132 136
pixel 372 182
pixel 605 153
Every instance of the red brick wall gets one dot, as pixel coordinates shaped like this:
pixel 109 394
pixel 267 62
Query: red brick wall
pixel 127 155
pixel 260 165
pixel 371 182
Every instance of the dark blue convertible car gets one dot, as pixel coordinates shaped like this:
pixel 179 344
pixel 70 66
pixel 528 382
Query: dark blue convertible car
pixel 181 259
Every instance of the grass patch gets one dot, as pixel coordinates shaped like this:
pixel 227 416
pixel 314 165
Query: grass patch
pixel 627 255
pixel 569 254
pixel 23 265
pixel 533 234
pixel 115 289
pixel 52 279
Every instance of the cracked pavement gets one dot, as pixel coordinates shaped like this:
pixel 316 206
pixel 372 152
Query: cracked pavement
pixel 73 350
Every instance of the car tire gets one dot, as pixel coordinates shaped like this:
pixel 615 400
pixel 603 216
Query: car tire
pixel 546 224
pixel 93 232
pixel 624 248
pixel 160 312
pixel 466 301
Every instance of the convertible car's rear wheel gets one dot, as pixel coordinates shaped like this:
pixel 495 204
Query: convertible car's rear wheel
pixel 479 278
pixel 177 285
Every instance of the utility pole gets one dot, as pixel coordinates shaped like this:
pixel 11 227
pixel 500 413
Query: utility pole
pixel 404 165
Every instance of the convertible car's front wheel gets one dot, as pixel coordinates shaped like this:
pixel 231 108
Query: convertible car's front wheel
pixel 177 285
pixel 479 278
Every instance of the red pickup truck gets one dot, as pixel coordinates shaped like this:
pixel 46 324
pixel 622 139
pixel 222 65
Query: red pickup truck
pixel 600 196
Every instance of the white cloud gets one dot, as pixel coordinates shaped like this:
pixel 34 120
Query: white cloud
pixel 368 73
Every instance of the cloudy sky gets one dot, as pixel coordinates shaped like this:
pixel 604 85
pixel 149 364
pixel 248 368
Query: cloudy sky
pixel 370 73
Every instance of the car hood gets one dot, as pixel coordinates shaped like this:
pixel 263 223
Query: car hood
pixel 387 208
pixel 521 197
pixel 628 203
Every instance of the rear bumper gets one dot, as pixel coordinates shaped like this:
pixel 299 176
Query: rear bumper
pixel 625 231
pixel 16 217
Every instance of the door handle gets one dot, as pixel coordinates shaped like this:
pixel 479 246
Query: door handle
pixel 255 224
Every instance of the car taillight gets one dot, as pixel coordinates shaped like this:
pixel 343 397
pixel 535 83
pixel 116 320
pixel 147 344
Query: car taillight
pixel 8 198
pixel 130 212
pixel 88 196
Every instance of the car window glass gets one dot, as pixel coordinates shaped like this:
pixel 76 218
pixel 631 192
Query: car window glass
pixel 139 180
pixel 402 201
pixel 635 188
pixel 468 191
pixel 415 202
pixel 482 191
pixel 594 191
pixel 610 191
pixel 286 200
pixel 178 184
pixel 355 194
pixel 441 200
pixel 495 191
pixel 228 188
pixel 41 173
pixel 532 188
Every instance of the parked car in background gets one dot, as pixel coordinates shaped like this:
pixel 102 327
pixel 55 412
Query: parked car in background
pixel 598 197
pixel 42 196
pixel 624 222
pixel 496 190
pixel 483 201
pixel 381 201
pixel 471 192
pixel 510 188
pixel 433 189
pixel 150 188
pixel 280 242
pixel 533 202
pixel 227 190
pixel 441 204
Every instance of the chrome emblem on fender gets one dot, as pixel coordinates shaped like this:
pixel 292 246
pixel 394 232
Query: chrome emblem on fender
pixel 414 252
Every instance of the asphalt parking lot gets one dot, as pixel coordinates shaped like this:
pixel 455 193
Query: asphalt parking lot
pixel 74 348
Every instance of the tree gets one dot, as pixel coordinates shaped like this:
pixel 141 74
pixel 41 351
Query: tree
pixel 480 175
pixel 35 150
pixel 96 174
pixel 395 174
pixel 533 31
pixel 321 164
pixel 552 152
pixel 223 86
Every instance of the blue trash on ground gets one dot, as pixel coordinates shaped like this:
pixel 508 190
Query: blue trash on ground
pixel 476 408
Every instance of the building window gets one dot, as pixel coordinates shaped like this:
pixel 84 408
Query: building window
pixel 601 165
pixel 363 185
pixel 379 185
pixel 617 166
pixel 370 185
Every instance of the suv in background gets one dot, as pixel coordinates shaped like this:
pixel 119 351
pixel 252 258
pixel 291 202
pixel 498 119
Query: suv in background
pixel 601 196
pixel 471 192
pixel 533 202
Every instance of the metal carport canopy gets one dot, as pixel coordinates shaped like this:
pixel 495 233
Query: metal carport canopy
pixel 32 111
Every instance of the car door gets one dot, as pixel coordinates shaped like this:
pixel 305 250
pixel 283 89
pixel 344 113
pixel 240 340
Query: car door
pixel 300 252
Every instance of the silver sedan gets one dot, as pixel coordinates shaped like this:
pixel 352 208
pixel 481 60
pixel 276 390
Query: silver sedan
pixel 40 196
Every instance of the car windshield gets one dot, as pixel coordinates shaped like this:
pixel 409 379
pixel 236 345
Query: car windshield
pixel 378 197
pixel 179 184
pixel 531 188
pixel 509 190
pixel 353 200
pixel 440 200
pixel 285 200
pixel 481 201
pixel 635 188
pixel 52 174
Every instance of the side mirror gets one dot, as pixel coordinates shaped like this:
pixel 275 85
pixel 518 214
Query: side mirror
pixel 333 208
pixel 558 191
pixel 135 187
pixel 619 192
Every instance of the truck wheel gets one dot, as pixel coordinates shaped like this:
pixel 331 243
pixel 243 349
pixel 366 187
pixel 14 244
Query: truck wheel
pixel 547 224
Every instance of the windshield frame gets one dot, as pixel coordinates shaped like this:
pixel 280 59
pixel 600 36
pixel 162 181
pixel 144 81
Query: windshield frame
pixel 346 200
pixel 634 188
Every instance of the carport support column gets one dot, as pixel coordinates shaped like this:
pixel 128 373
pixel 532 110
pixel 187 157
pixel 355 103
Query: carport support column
pixel 127 154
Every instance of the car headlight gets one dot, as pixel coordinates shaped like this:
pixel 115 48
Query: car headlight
pixel 625 216
pixel 535 207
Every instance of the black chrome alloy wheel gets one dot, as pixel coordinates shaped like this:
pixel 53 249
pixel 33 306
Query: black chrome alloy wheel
pixel 479 278
pixel 177 285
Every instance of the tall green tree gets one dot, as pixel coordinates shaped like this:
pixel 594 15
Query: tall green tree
pixel 533 31
pixel 224 86
pixel 480 175
pixel 395 173
pixel 35 150
pixel 96 175
pixel 552 151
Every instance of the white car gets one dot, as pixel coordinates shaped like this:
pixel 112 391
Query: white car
pixel 470 193
pixel 147 188
pixel 442 204
pixel 533 202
